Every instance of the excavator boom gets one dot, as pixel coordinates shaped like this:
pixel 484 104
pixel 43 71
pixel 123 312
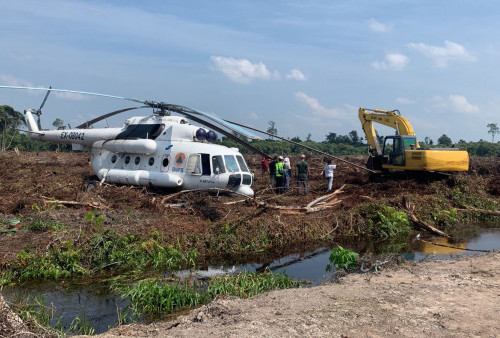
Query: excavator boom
pixel 389 118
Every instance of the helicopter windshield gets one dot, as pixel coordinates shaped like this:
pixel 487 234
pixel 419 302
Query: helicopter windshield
pixel 242 163
pixel 141 131
pixel 231 164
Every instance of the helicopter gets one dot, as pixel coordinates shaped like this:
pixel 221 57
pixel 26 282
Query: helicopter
pixel 159 150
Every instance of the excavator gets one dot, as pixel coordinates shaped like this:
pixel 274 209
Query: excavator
pixel 402 151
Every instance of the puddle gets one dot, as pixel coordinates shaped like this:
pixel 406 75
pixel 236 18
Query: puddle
pixel 101 309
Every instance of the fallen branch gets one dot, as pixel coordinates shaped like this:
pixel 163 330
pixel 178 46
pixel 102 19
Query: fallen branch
pixel 85 204
pixel 298 209
pixel 326 198
pixel 409 211
pixel 483 211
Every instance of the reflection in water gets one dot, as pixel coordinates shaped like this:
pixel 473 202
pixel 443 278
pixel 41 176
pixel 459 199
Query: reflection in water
pixel 101 309
pixel 441 246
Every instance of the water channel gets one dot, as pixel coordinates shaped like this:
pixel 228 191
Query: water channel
pixel 100 308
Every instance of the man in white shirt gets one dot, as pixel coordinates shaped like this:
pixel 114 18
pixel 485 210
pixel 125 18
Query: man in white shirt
pixel 328 171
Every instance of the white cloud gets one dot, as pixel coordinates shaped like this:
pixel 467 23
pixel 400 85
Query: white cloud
pixel 393 61
pixel 378 26
pixel 8 80
pixel 253 116
pixel 296 74
pixel 242 70
pixel 71 96
pixel 442 55
pixel 456 103
pixel 317 109
pixel 403 100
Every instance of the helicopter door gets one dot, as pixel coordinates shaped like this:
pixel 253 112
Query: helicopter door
pixel 208 178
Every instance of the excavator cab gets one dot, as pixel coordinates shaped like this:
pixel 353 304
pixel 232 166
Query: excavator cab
pixel 395 147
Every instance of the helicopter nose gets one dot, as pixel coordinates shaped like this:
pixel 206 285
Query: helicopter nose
pixel 245 190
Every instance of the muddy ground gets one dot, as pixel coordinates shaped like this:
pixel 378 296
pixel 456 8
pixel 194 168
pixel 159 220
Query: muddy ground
pixel 53 187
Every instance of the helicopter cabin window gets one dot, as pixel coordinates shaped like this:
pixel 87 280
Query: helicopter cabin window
pixel 137 160
pixel 231 164
pixel 194 164
pixel 151 161
pixel 127 159
pixel 242 163
pixel 165 162
pixel 141 131
pixel 113 159
pixel 218 164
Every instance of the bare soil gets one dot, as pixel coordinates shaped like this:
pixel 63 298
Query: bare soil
pixel 458 298
pixel 434 298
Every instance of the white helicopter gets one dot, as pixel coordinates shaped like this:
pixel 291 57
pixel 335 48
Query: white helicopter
pixel 159 150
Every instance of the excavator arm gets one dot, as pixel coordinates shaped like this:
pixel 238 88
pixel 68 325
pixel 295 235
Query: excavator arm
pixel 390 118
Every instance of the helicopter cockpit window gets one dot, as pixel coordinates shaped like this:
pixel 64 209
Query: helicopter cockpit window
pixel 242 163
pixel 194 164
pixel 141 131
pixel 218 164
pixel 231 164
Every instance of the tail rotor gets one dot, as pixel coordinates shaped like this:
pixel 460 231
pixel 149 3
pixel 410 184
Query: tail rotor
pixel 38 112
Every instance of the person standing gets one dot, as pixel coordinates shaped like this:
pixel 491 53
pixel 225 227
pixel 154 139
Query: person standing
pixel 280 175
pixel 328 171
pixel 264 165
pixel 272 172
pixel 303 173
pixel 288 172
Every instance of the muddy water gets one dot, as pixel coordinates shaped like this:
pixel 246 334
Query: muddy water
pixel 101 308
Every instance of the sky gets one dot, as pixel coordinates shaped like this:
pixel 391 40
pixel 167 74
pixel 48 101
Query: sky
pixel 306 65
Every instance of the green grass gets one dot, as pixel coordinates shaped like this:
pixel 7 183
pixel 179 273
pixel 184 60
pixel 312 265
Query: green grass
pixel 156 296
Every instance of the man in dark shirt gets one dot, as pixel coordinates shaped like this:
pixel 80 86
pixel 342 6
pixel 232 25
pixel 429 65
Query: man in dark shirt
pixel 272 171
pixel 303 173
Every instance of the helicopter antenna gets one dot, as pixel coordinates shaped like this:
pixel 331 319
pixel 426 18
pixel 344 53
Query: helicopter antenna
pixel 38 112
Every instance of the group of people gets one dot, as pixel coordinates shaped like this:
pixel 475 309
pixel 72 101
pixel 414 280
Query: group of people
pixel 280 172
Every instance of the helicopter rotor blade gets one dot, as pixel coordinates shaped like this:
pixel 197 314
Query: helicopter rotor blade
pixel 85 125
pixel 76 92
pixel 303 145
pixel 228 134
pixel 162 106
pixel 229 125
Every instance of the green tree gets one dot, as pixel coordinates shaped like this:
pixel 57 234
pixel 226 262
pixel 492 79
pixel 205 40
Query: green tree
pixel 355 139
pixel 444 140
pixel 59 124
pixel 10 120
pixel 272 128
pixel 493 130
pixel 331 138
pixel 308 138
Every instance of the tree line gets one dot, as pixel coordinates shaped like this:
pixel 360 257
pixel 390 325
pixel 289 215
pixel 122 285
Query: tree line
pixel 12 121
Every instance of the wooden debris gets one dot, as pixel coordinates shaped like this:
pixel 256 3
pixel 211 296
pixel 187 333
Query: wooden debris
pixel 410 208
pixel 94 205
pixel 321 203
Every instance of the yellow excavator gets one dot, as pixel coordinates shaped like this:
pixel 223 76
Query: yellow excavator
pixel 402 151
